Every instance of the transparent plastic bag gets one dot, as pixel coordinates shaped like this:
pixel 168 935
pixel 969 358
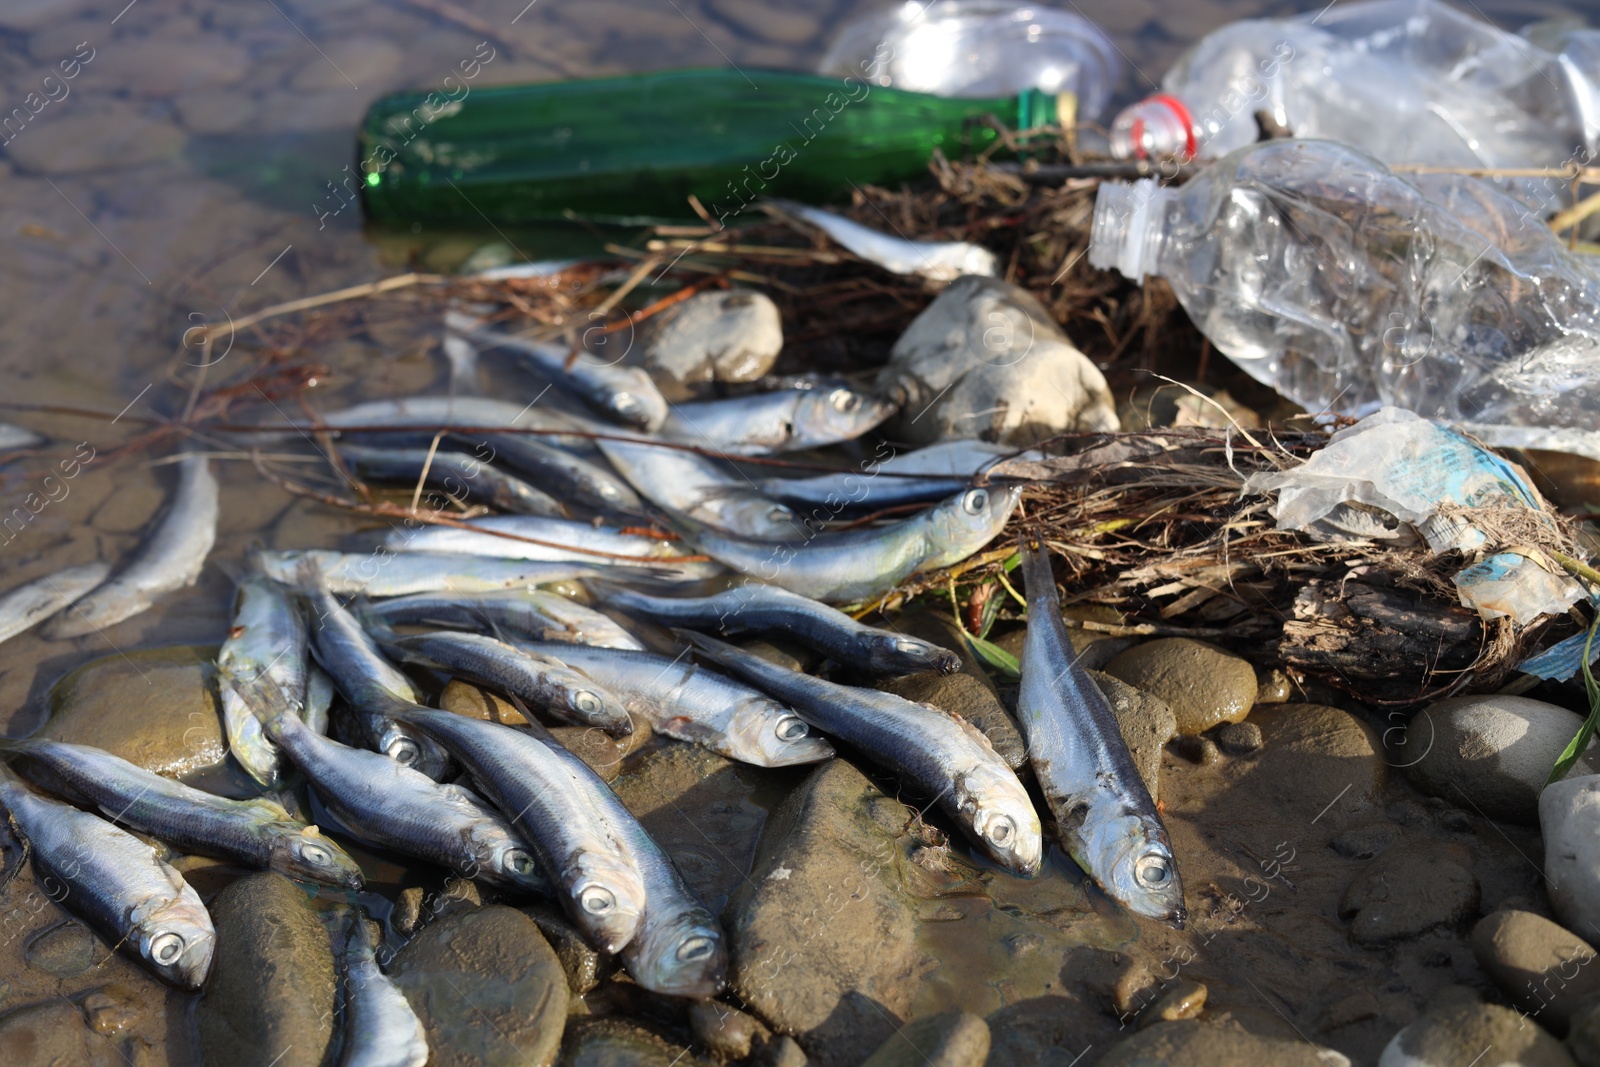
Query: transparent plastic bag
pixel 1346 288
pixel 981 48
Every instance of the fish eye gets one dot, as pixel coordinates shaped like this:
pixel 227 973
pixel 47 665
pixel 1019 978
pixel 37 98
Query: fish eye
pixel 1002 831
pixel 314 854
pixel 695 949
pixel 596 900
pixel 1153 871
pixel 625 402
pixel 907 644
pixel 791 728
pixel 518 862
pixel 975 501
pixel 404 751
pixel 844 401
pixel 586 702
pixel 166 948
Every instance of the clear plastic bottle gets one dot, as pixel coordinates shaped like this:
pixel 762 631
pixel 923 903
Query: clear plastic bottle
pixel 1409 81
pixel 1347 287
pixel 981 48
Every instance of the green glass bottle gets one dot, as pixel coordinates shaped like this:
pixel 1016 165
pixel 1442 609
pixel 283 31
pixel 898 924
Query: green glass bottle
pixel 635 148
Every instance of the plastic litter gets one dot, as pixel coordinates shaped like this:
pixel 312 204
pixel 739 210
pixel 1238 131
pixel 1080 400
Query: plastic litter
pixel 981 48
pixel 1347 287
pixel 1429 481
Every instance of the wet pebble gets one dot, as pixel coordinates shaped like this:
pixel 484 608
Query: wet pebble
pixel 1569 818
pixel 584 967
pixel 102 137
pixel 1273 686
pixel 1545 970
pixel 1239 738
pixel 162 65
pixel 488 988
pixel 1473 1033
pixel 1185 1000
pixel 153 707
pixel 270 998
pixel 1410 888
pixel 724 337
pixel 1363 842
pixel 781 1051
pixel 724 1029
pixel 1146 723
pixel 1201 751
pixel 1494 750
pixel 1203 684
pixel 1191 1043
pixel 406 916
pixel 949 1039
pixel 615 1043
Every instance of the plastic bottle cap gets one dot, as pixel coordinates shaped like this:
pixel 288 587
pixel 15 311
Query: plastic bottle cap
pixel 1127 224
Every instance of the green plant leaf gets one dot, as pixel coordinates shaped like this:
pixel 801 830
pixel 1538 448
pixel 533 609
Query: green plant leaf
pixel 1586 732
pixel 996 657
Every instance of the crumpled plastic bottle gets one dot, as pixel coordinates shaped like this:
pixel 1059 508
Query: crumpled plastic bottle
pixel 981 48
pixel 1410 81
pixel 1347 287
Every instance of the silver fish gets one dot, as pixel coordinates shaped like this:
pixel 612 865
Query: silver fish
pixel 687 483
pixel 784 420
pixel 858 565
pixel 465 412
pixel 319 698
pixel 31 603
pixel 13 437
pixel 924 474
pixel 268 639
pixel 940 753
pixel 691 703
pixel 769 609
pixel 392 571
pixel 553 803
pixel 1106 818
pixel 679 949
pixel 534 614
pixel 381 1029
pixel 170 560
pixel 117 883
pixel 538 681
pixel 454 473
pixel 390 805
pixel 371 685
pixel 938 261
pixel 462 355
pixel 253 833
pixel 570 477
pixel 625 393
pixel 551 540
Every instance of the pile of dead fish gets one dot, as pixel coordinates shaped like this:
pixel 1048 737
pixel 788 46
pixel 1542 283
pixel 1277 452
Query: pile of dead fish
pixel 312 685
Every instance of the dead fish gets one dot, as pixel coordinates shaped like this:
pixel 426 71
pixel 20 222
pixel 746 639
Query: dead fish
pixel 453 473
pixel 381 1029
pixel 116 882
pixel 914 477
pixel 394 571
pixel 32 602
pixel 171 559
pixel 535 614
pixel 532 537
pixel 566 475
pixel 938 261
pixel 688 484
pixel 784 420
pixel 267 644
pixel 13 438
pixel 1107 820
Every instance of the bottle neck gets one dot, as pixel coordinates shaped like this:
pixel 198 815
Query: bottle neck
pixel 1129 223
pixel 1157 127
pixel 1038 108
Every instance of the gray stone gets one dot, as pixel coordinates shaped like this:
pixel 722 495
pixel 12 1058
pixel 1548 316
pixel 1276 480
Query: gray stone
pixel 1494 750
pixel 584 966
pixel 1239 738
pixel 488 989
pixel 949 1039
pixel 1146 723
pixel 1487 1033
pixel 986 360
pixel 1203 684
pixel 106 136
pixel 1409 889
pixel 724 1029
pixel 270 997
pixel 1569 819
pixel 719 336
pixel 1545 970
pixel 154 707
pixel 1191 1043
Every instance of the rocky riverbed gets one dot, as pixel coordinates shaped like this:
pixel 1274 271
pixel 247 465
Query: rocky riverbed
pixel 1341 892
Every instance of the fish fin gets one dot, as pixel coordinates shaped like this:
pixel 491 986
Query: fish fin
pixel 709 647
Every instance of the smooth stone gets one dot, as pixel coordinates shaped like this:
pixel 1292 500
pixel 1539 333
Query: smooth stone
pixel 1409 889
pixel 162 66
pixel 1494 750
pixel 406 917
pixel 782 1051
pixel 724 1029
pixel 838 981
pixel 371 63
pixel 208 112
pixel 986 360
pixel 1486 1033
pixel 1146 723
pixel 488 988
pixel 615 1043
pixel 1273 687
pixel 1203 684
pixel 270 999
pixel 584 966
pixel 1569 819
pixel 1239 738
pixel 949 1039
pixel 720 336
pixel 106 137
pixel 1541 966
pixel 1185 1000
pixel 64 950
pixel 1363 842
pixel 154 707
pixel 783 25
pixel 1192 1043
pixel 53 1034
pixel 1315 763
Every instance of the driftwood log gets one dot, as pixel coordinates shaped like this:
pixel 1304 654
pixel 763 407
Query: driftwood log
pixel 1369 634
